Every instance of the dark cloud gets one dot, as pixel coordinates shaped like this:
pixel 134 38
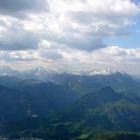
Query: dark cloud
pixel 51 55
pixel 81 42
pixel 21 7
pixel 84 43
pixel 15 39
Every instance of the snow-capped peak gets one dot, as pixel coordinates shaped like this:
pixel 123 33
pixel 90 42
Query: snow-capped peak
pixel 102 72
pixel 94 72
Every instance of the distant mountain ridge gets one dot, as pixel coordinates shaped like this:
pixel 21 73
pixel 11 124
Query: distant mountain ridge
pixel 82 83
pixel 40 72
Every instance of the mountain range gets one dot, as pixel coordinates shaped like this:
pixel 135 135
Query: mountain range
pixel 52 105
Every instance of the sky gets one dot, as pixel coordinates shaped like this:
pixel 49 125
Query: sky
pixel 73 35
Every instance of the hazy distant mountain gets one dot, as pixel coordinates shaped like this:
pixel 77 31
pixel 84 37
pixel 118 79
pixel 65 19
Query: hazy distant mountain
pixel 44 74
pixel 39 73
pixel 93 72
pixel 6 71
pixel 81 82
pixel 9 81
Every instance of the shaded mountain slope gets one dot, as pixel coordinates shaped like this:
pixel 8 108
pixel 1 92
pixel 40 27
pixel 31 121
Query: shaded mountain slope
pixel 83 84
pixel 33 101
pixel 97 115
